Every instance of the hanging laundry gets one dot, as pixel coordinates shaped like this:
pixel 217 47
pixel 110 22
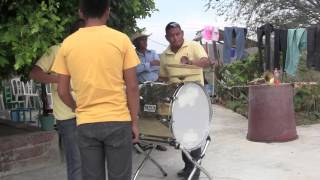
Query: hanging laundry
pixel 280 47
pixel 210 36
pixel 297 41
pixel 233 54
pixel 220 51
pixel 228 39
pixel 215 51
pixel 210 33
pixel 313 47
pixel 212 51
pixel 265 60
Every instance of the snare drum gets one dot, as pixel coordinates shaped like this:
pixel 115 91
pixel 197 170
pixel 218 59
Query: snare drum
pixel 186 107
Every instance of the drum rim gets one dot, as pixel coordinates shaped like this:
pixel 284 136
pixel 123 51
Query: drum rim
pixel 172 105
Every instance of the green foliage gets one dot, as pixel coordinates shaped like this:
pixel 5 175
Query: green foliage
pixel 240 106
pixel 307 100
pixel 30 32
pixel 29 27
pixel 282 13
pixel 124 13
pixel 240 72
pixel 233 93
pixel 232 80
pixel 303 99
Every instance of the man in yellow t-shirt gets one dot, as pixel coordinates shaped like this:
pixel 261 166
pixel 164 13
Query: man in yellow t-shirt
pixel 101 62
pixel 180 51
pixel 66 119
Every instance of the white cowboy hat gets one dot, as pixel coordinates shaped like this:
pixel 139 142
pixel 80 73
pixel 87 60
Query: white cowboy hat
pixel 139 35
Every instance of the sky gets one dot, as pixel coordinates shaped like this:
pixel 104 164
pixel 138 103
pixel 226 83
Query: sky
pixel 190 14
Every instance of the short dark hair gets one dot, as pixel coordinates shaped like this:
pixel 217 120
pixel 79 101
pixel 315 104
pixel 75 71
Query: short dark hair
pixel 172 25
pixel 74 26
pixel 79 23
pixel 93 8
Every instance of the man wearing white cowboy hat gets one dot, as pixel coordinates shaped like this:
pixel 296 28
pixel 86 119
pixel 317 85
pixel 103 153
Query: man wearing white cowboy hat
pixel 148 69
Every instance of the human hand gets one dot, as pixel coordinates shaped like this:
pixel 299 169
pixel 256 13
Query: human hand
pixel 185 60
pixel 135 133
pixel 155 63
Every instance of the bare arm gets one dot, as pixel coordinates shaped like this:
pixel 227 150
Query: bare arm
pixel 39 75
pixel 155 63
pixel 64 91
pixel 202 62
pixel 132 91
pixel 163 79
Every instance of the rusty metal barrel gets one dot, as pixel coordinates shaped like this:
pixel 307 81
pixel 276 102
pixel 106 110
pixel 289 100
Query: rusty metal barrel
pixel 271 113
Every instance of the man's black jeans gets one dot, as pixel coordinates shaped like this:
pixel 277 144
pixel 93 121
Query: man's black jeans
pixel 265 59
pixel 313 46
pixel 195 154
pixel 110 141
pixel 280 46
pixel 67 129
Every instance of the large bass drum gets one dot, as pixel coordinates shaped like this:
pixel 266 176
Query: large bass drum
pixel 182 109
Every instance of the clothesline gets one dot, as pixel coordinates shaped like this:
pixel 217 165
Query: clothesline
pixel 295 84
pixel 288 42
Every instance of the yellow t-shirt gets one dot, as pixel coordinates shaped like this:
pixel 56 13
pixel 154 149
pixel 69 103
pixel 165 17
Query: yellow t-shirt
pixel 60 110
pixel 95 58
pixel 192 50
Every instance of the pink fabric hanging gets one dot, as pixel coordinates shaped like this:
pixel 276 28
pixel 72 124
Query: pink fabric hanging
pixel 210 33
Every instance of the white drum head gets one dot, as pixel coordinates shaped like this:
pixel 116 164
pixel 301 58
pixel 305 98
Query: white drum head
pixel 191 114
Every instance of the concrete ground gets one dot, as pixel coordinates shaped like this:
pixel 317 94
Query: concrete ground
pixel 230 156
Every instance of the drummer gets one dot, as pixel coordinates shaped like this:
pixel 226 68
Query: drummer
pixel 148 69
pixel 180 51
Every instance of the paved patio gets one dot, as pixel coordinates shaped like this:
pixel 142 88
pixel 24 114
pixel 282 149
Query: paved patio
pixel 230 156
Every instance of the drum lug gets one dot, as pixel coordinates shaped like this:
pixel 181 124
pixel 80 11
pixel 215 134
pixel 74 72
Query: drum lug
pixel 163 120
pixel 167 99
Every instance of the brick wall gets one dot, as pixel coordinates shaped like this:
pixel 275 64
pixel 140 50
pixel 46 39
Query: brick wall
pixel 28 151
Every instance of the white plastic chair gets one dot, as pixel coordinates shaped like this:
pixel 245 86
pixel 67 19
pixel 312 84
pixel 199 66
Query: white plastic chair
pixel 31 93
pixel 25 91
pixel 49 95
pixel 2 107
pixel 18 89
